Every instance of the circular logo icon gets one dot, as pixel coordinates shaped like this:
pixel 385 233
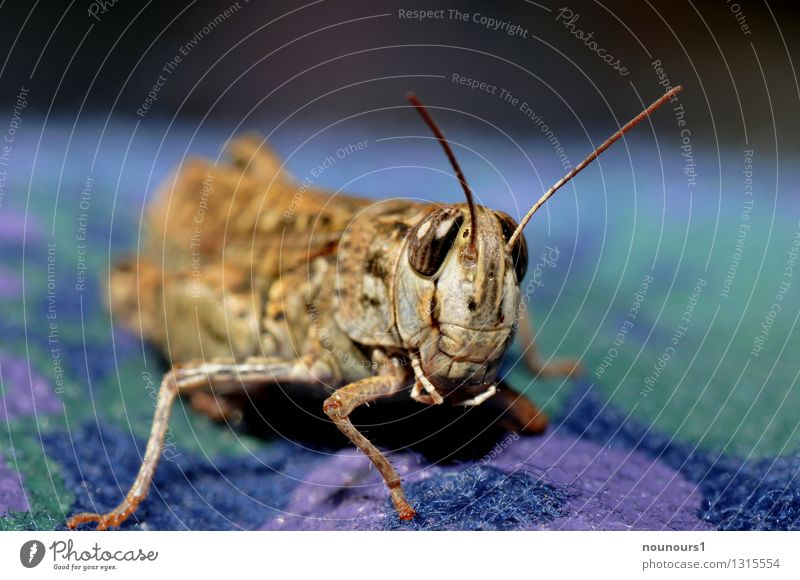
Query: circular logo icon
pixel 31 553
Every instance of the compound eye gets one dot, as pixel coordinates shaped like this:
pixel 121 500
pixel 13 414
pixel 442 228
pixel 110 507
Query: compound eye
pixel 519 253
pixel 432 238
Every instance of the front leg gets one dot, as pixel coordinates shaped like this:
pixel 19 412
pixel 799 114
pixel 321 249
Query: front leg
pixel 339 406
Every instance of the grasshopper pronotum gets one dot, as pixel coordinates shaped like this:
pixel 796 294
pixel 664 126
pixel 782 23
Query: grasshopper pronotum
pixel 363 299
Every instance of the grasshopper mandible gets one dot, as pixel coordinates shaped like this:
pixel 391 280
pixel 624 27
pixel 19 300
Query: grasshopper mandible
pixel 330 292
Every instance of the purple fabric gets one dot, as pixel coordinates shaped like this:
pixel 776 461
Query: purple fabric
pixel 10 285
pixel 12 496
pixel 24 395
pixel 12 227
pixel 342 492
pixel 608 489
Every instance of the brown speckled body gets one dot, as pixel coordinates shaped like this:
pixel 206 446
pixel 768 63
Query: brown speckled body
pixel 247 279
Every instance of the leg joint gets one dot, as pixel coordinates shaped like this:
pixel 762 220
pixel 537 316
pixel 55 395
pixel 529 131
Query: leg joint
pixel 332 407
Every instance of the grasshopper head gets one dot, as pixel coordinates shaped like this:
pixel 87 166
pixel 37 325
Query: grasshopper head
pixel 459 301
pixel 458 280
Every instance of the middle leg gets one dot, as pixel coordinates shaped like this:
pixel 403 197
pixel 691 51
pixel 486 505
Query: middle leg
pixel 219 377
pixel 562 367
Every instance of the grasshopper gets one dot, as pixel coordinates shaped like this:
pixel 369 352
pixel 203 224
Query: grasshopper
pixel 249 282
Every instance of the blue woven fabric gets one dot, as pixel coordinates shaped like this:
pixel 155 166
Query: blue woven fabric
pixel 614 459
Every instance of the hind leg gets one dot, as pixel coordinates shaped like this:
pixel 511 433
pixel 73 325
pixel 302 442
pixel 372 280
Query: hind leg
pixel 255 157
pixel 519 412
pixel 220 377
pixel 219 408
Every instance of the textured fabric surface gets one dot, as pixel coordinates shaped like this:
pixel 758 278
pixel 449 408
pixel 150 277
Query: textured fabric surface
pixel 12 496
pixel 760 494
pixel 702 436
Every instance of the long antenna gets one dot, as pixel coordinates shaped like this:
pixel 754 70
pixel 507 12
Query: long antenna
pixel 608 142
pixel 426 116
